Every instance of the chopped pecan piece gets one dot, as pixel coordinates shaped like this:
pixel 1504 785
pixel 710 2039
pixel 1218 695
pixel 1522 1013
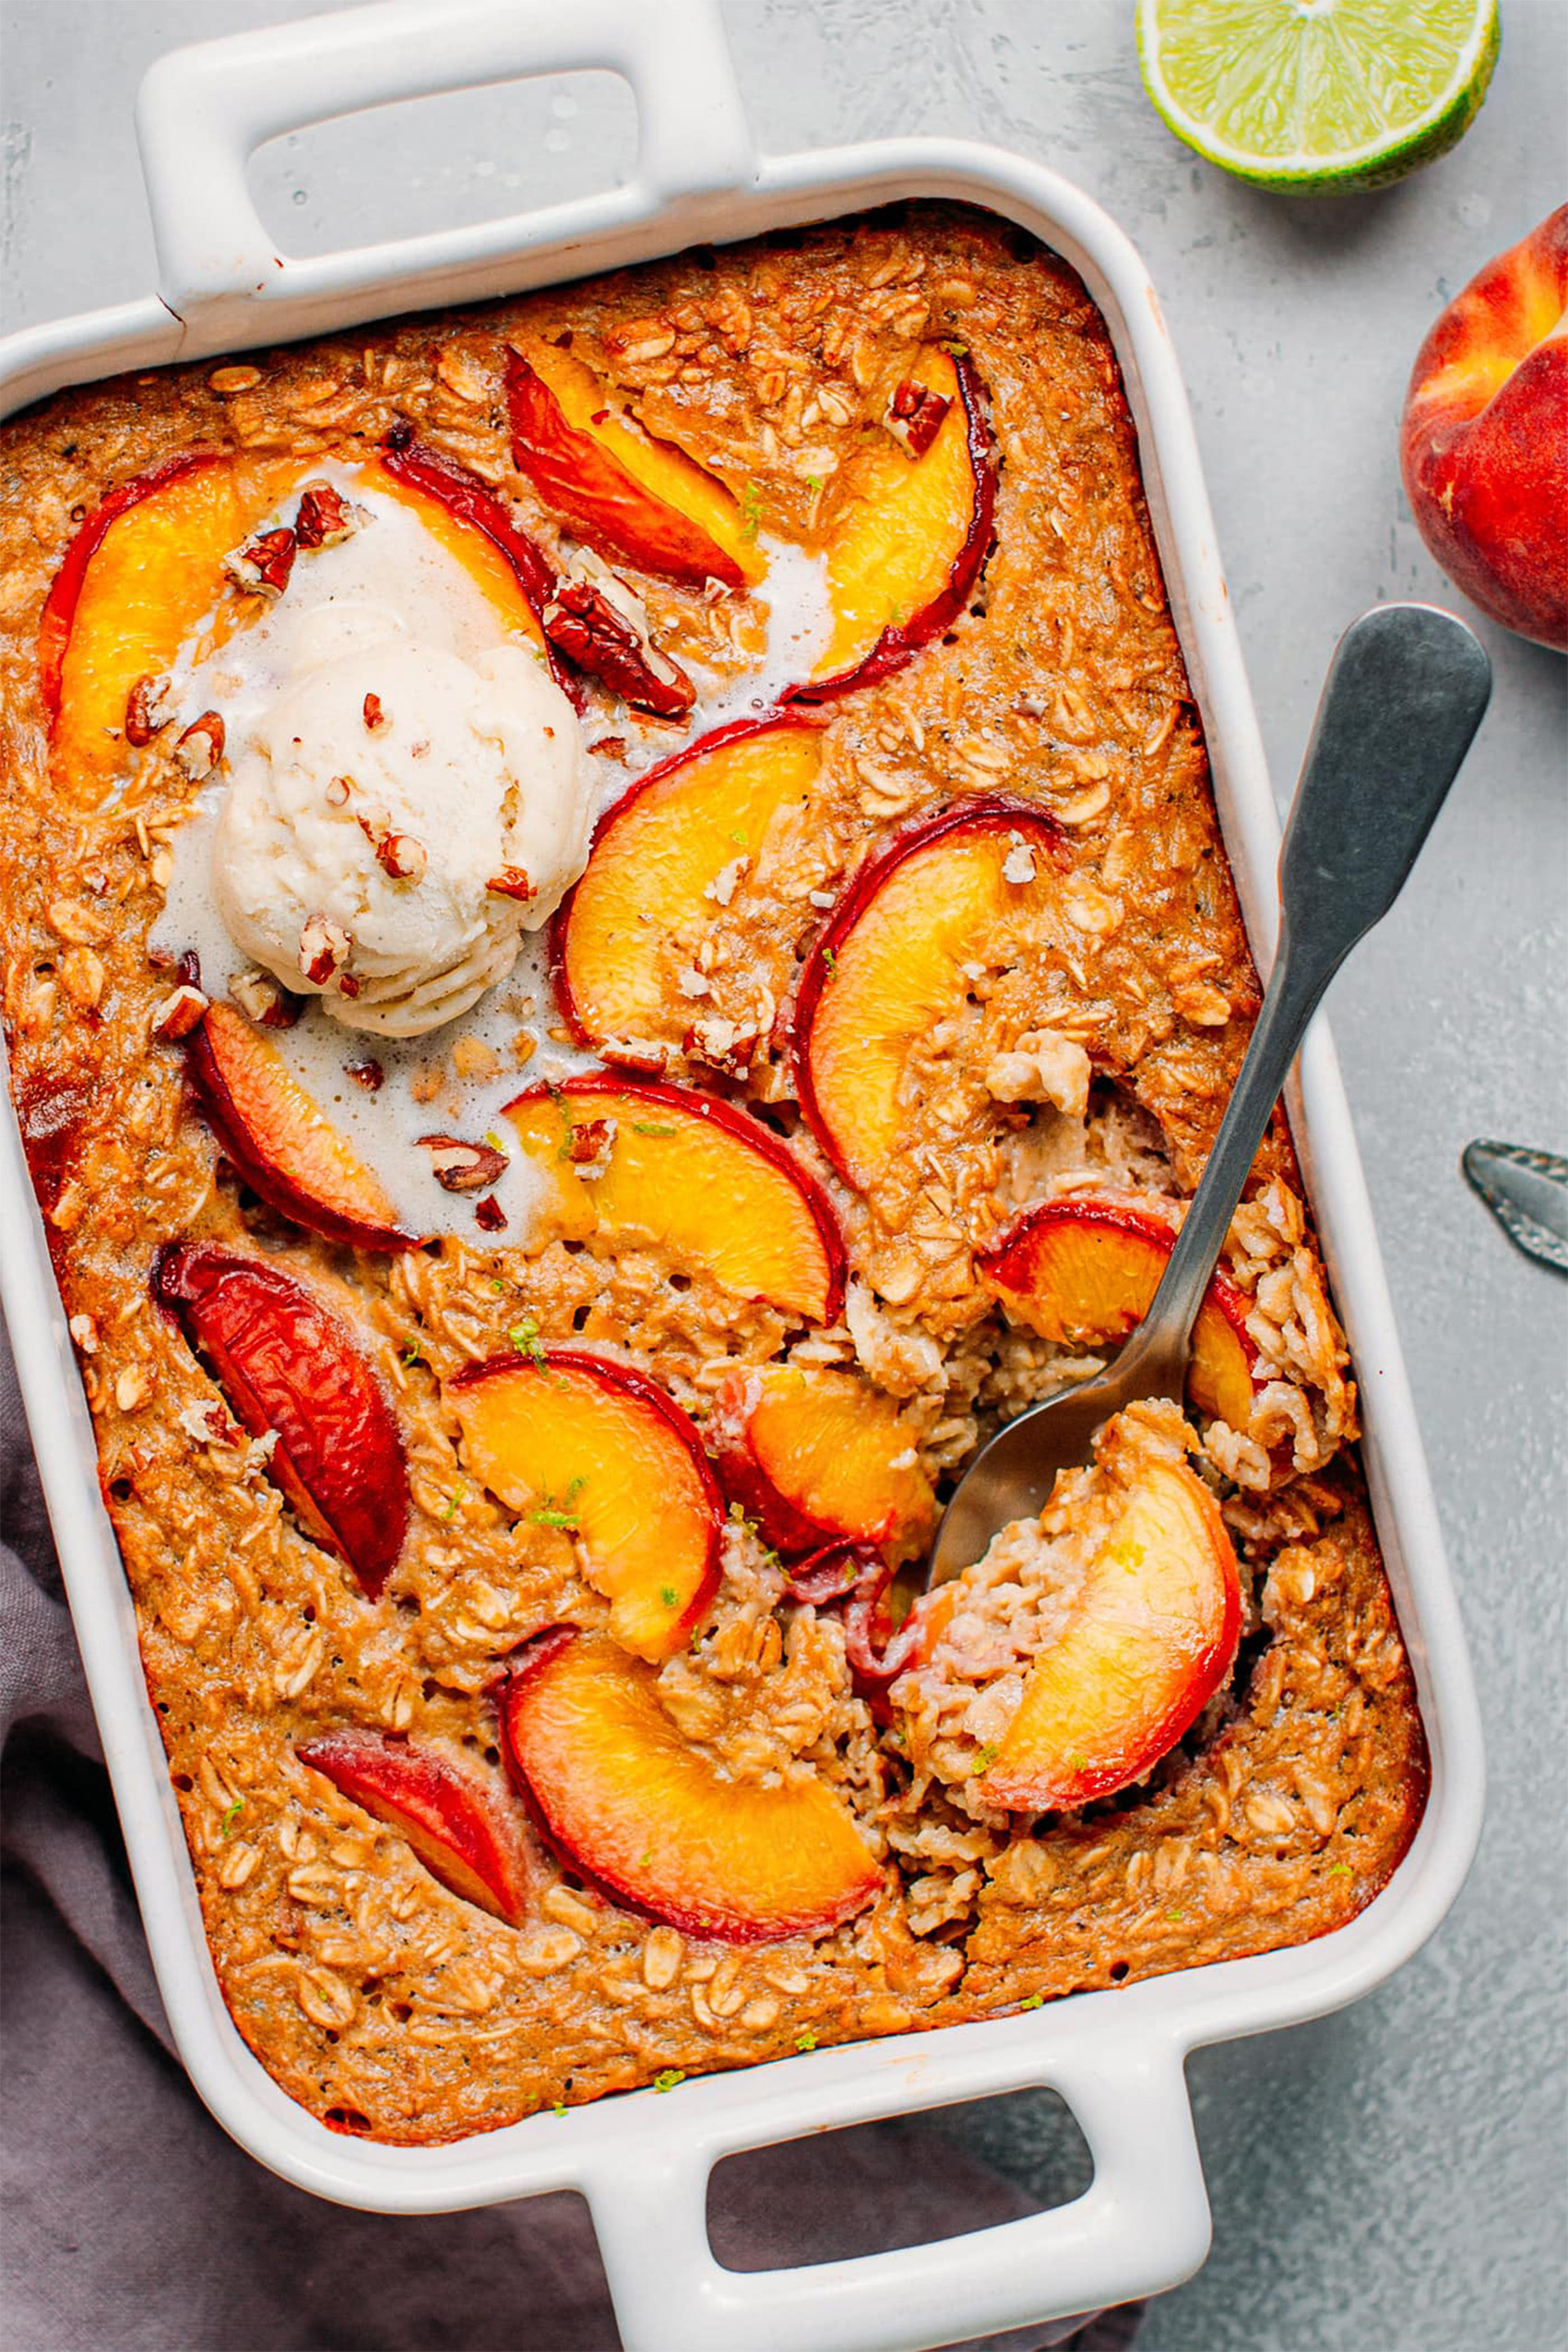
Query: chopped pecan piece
pixel 262 566
pixel 512 882
pixel 402 857
pixel 612 746
pixel 146 709
pixel 199 749
pixel 723 1045
pixel 589 1145
pixel 459 1167
pixel 325 517
pixel 489 1215
pixel 325 948
pixel 266 999
pixel 179 1014
pixel 337 792
pixel 914 416
pixel 374 713
pixel 367 1073
pixel 582 624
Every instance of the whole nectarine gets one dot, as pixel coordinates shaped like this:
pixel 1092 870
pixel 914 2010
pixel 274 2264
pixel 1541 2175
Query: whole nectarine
pixel 1484 442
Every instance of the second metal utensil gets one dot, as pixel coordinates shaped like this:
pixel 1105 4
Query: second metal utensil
pixel 1405 693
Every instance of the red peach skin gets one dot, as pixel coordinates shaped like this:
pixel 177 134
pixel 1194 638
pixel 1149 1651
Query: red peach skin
pixel 1483 447
pixel 465 1839
pixel 287 1366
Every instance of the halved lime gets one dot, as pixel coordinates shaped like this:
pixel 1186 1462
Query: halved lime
pixel 1312 94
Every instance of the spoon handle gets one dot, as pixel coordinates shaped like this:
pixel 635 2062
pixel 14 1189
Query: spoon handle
pixel 1404 695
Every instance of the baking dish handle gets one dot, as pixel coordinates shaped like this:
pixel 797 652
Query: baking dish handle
pixel 1142 2226
pixel 201 113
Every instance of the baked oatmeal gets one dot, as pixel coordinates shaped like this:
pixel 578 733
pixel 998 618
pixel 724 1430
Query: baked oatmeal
pixel 616 942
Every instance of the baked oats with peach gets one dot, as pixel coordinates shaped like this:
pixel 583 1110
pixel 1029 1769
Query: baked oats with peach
pixel 617 940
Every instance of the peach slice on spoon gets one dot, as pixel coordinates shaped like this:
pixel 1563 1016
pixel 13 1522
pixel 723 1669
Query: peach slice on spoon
pixel 288 1367
pixel 1083 1272
pixel 639 1161
pixel 1148 1639
pixel 818 1457
pixel 595 1448
pixel 450 1822
pixel 623 1799
pixel 891 960
pixel 660 857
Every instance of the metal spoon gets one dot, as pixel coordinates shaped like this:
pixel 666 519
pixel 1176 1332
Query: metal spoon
pixel 1404 695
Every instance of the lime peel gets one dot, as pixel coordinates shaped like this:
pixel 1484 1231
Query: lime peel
pixel 1317 95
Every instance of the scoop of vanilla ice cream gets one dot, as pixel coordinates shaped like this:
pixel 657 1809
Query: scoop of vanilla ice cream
pixel 398 817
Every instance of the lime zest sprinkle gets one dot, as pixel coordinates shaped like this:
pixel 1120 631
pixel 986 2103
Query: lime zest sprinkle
pixel 525 1339
pixel 231 1816
pixel 667 1596
pixel 452 1502
pixel 751 511
pixel 558 2106
pixel 1033 2001
pixel 668 2078
pixel 805 2039
pixel 650 1127
pixel 1340 1870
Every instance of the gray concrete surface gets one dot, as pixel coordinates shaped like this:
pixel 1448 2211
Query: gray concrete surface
pixel 1391 2180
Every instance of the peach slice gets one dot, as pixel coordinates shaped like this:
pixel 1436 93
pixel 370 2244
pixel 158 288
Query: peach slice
pixel 581 1443
pixel 889 965
pixel 1083 1272
pixel 627 494
pixel 695 1176
pixel 621 1797
pixel 1150 1637
pixel 142 574
pixel 910 545
pixel 448 1819
pixel 280 1141
pixel 655 853
pixel 287 1366
pixel 818 1457
pixel 466 517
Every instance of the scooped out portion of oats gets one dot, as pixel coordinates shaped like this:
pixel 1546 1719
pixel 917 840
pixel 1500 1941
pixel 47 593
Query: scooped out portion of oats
pixel 1076 1653
pixel 532 1311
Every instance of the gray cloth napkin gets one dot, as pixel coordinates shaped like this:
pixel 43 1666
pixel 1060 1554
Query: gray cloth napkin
pixel 131 2221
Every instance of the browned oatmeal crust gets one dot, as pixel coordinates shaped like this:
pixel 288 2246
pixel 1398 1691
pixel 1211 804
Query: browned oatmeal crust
pixel 378 1999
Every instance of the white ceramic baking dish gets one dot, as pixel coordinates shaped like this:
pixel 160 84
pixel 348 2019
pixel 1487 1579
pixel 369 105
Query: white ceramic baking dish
pixel 643 2161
